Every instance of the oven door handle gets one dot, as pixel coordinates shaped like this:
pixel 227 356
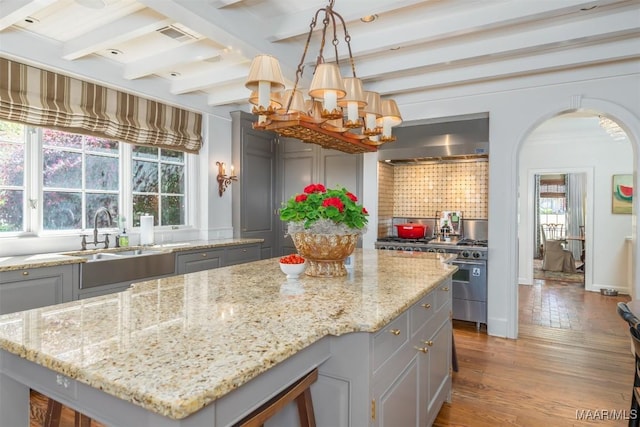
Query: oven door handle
pixel 465 262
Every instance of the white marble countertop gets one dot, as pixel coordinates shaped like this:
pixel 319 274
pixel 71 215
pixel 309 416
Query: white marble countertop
pixel 176 344
pixel 10 263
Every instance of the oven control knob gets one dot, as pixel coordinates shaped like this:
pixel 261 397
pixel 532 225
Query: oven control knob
pixel 431 250
pixel 476 255
pixel 440 251
pixel 417 249
pixel 464 254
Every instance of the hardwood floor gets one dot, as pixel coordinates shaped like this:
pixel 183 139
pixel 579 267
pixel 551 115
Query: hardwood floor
pixel 572 357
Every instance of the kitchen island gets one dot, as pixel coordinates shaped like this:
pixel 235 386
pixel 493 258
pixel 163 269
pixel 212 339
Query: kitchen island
pixel 206 348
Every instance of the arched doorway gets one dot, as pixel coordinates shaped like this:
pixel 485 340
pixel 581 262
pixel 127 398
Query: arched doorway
pixel 579 143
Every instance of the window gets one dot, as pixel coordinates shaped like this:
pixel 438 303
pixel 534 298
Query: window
pixel 158 185
pixel 79 175
pixel 74 175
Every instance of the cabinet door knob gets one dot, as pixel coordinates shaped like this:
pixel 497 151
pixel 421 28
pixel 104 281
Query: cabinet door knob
pixel 429 343
pixel 422 349
pixel 426 306
pixel 395 331
pixel 25 273
pixel 445 288
pixel 204 255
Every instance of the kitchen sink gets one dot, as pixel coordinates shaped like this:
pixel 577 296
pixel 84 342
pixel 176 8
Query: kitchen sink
pixel 105 268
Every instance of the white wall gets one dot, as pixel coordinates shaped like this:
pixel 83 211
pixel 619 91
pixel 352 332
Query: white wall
pixel 579 144
pixel 516 107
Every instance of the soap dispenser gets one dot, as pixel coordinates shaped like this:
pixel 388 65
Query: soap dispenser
pixel 123 239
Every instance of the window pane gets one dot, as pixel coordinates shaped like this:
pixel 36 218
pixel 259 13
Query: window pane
pixel 145 177
pixel 93 143
pixel 57 138
pixel 145 152
pixel 11 210
pixel 145 205
pixel 12 161
pixel 102 173
pixel 172 210
pixel 172 156
pixel 97 201
pixel 62 169
pixel 11 132
pixel 62 211
pixel 172 179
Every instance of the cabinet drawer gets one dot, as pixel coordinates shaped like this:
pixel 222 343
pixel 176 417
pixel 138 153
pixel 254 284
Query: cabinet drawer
pixel 422 312
pixel 390 339
pixel 443 295
pixel 242 254
pixel 198 261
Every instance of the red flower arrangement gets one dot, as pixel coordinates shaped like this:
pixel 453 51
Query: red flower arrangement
pixel 330 211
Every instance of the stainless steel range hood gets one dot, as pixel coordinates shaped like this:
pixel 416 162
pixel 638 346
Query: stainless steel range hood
pixel 460 138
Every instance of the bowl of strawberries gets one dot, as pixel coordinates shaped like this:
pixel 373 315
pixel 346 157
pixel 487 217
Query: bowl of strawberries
pixel 292 265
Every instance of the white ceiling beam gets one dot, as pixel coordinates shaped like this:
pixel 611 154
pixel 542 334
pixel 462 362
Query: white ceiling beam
pixel 126 28
pixel 544 62
pixel 218 74
pixel 16 10
pixel 224 3
pixel 295 24
pixel 231 94
pixel 170 59
pixel 618 24
pixel 472 19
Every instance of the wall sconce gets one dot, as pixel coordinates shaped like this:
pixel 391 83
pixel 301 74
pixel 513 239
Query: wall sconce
pixel 223 179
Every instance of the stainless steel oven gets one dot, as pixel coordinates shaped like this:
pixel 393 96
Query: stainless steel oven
pixel 469 282
pixel 470 291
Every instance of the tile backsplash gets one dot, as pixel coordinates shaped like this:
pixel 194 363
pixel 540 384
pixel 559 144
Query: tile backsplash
pixel 420 190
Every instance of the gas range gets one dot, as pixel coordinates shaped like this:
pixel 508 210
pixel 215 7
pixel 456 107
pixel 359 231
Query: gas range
pixel 464 248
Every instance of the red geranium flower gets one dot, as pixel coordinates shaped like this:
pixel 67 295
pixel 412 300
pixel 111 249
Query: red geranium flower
pixel 335 202
pixel 314 188
pixel 352 196
pixel 301 198
pixel 364 211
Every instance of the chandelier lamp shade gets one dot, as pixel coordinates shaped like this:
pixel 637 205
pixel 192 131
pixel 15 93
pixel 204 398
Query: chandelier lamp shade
pixel 339 114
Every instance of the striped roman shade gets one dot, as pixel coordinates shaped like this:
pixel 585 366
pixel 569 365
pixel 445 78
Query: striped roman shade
pixel 42 98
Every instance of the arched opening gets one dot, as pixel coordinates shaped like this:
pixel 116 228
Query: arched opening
pixel 587 145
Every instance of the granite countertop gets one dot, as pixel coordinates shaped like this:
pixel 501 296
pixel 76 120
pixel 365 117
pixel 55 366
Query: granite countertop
pixel 20 262
pixel 176 344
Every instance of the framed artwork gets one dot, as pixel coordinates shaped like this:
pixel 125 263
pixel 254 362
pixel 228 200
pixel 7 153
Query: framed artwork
pixel 622 194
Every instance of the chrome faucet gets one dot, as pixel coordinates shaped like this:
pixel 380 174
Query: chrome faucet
pixel 95 229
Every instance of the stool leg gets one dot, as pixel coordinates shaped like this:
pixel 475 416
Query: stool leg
pixel 81 420
pixel 52 417
pixel 305 409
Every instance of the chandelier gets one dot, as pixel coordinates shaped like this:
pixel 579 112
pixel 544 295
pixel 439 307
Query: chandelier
pixel 339 114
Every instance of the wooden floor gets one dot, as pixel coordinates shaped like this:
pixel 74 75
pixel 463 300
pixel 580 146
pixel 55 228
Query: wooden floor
pixel 572 357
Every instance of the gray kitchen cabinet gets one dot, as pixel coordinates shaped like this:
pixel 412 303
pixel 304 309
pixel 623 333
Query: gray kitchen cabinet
pixel 399 376
pixel 37 287
pixel 198 260
pixel 242 253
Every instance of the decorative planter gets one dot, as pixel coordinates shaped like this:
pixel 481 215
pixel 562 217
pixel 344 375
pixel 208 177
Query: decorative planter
pixel 325 253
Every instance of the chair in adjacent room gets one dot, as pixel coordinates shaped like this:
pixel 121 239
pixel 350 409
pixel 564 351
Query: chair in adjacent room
pixel 633 321
pixel 554 255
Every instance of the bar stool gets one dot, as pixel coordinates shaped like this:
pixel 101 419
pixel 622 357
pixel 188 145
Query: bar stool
pixel 54 412
pixel 633 322
pixel 299 391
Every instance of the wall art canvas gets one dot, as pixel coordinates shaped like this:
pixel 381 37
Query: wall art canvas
pixel 622 194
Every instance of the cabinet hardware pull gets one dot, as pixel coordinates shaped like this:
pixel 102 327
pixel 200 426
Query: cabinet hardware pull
pixel 446 288
pixel 422 349
pixel 427 306
pixel 395 331
pixel 204 255
pixel 25 273
pixel 429 343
